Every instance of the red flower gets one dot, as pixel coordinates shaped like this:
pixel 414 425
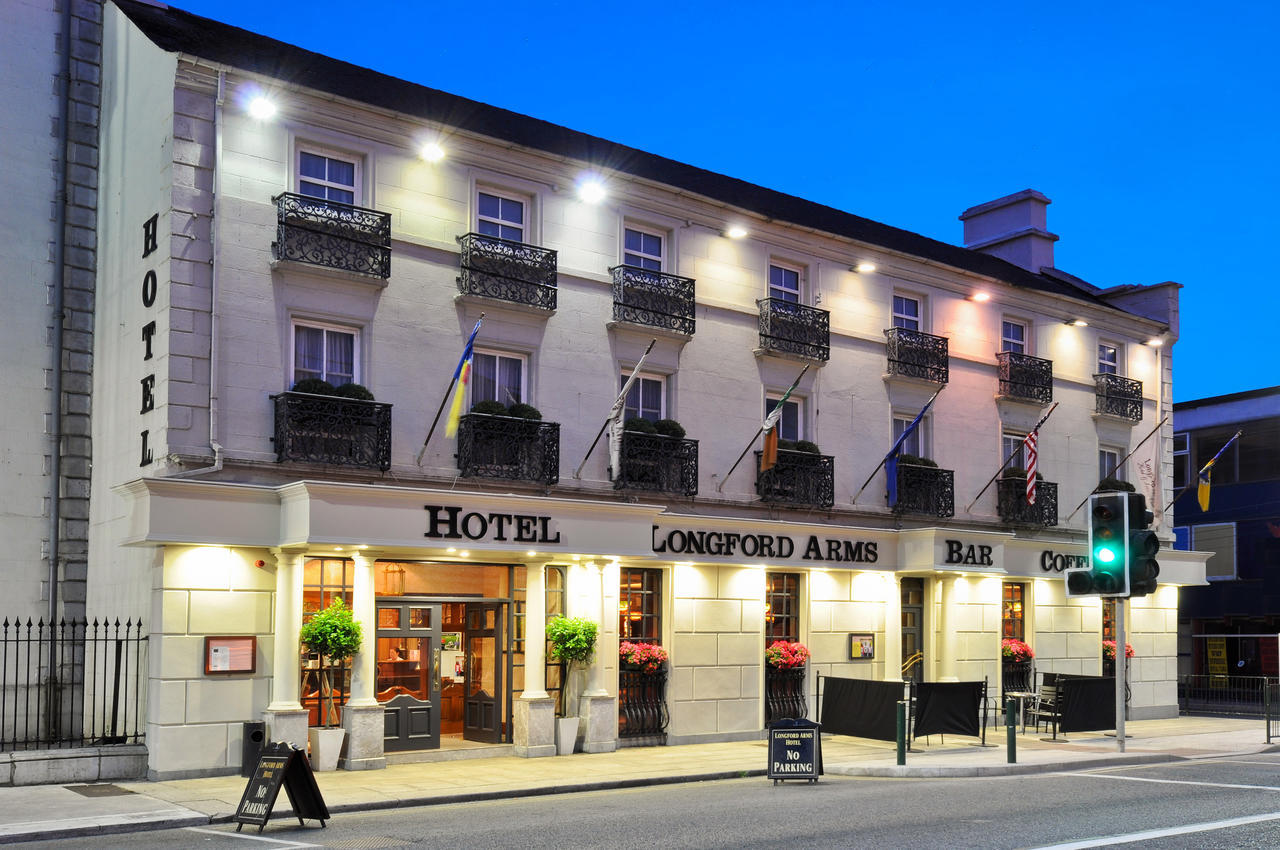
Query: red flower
pixel 1015 650
pixel 1109 650
pixel 647 656
pixel 785 655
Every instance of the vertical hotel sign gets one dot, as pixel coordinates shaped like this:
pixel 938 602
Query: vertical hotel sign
pixel 150 284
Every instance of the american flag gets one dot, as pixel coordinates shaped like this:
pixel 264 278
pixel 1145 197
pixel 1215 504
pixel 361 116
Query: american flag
pixel 1029 446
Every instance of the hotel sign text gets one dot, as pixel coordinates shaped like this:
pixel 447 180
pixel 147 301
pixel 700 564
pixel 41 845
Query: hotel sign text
pixel 771 546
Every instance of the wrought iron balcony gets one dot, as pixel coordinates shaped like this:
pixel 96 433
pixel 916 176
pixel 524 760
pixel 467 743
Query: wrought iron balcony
pixel 651 298
pixel 658 462
pixel 784 693
pixel 1025 377
pixel 790 328
pixel 328 429
pixel 925 490
pixel 1117 396
pixel 332 234
pixel 916 354
pixel 642 703
pixel 508 447
pixel 1011 502
pixel 508 271
pixel 798 478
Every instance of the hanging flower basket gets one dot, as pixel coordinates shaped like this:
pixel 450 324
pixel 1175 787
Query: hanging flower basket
pixel 643 657
pixel 1013 650
pixel 785 655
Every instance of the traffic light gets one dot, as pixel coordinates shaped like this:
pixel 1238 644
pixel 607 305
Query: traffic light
pixel 1143 546
pixel 1107 573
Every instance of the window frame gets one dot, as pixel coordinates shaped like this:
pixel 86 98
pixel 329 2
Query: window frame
pixel 921 436
pixel 329 153
pixel 781 292
pixel 503 193
pixel 638 388
pixel 357 366
pixel 1012 626
pixel 1111 367
pixel 1181 460
pixel 901 319
pixel 1118 471
pixel 1006 341
pixel 790 593
pixel 500 355
pixel 649 596
pixel 1235 549
pixel 663 236
pixel 1006 437
pixel 795 402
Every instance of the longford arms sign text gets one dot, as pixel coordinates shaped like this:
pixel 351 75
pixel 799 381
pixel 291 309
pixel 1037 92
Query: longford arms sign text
pixel 780 546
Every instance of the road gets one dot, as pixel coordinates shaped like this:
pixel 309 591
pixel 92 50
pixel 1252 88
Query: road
pixel 1220 803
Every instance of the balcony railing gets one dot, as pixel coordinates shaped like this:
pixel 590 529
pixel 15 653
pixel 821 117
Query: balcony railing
pixel 658 462
pixel 508 271
pixel 328 429
pixel 651 298
pixel 508 447
pixel 332 234
pixel 1025 377
pixel 798 478
pixel 790 328
pixel 1117 396
pixel 916 354
pixel 1011 502
pixel 925 490
pixel 642 703
pixel 784 693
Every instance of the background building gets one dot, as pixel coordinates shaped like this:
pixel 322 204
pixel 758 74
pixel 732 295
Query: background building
pixel 359 232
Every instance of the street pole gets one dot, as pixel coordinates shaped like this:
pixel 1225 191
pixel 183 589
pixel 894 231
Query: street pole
pixel 1122 665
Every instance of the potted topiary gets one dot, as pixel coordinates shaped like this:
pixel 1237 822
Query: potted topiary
pixel 639 425
pixel 669 428
pixel 489 408
pixel 573 642
pixel 1111 484
pixel 313 386
pixel 353 390
pixel 333 634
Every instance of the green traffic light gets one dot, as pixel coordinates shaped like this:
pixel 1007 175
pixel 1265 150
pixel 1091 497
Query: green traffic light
pixel 1105 555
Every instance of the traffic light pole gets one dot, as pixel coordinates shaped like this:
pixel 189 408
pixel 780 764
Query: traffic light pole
pixel 1122 665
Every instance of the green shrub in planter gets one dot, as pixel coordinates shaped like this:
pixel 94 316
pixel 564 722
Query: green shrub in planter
pixel 807 447
pixel 573 641
pixel 1114 485
pixel 335 635
pixel 786 445
pixel 917 461
pixel 313 386
pixel 1019 472
pixel 669 428
pixel 489 408
pixel 524 411
pixel 639 425
pixel 353 390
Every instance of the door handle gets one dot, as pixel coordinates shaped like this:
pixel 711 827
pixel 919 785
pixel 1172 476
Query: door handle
pixel 435 669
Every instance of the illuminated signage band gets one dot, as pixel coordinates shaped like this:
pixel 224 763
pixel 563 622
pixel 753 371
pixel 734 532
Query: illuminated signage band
pixel 778 547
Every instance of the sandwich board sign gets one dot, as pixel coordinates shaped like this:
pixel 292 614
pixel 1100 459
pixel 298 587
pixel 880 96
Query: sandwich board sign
pixel 795 750
pixel 281 764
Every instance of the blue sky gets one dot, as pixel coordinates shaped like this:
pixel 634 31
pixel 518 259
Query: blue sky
pixel 1154 128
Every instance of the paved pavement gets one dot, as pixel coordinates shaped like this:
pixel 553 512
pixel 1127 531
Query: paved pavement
pixel 53 811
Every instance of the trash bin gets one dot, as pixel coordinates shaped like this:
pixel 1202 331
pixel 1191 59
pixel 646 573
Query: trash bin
pixel 251 743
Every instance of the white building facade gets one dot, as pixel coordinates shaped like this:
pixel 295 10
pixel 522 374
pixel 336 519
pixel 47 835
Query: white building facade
pixel 239 255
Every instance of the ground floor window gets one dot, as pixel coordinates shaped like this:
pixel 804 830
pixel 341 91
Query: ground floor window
pixel 640 606
pixel 323 581
pixel 1012 623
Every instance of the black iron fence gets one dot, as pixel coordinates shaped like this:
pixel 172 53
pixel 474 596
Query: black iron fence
pixel 1025 377
pixel 330 429
pixel 333 234
pixel 1011 502
pixel 508 447
pixel 642 703
pixel 1200 693
pixel 1117 396
pixel 71 684
pixel 791 328
pixel 925 490
pixel 798 478
pixel 656 299
pixel 508 271
pixel 658 462
pixel 784 693
pixel 916 354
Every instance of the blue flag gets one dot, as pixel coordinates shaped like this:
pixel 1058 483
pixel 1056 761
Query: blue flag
pixel 891 459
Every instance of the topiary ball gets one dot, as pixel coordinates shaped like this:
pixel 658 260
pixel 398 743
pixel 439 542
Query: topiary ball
pixel 489 408
pixel 313 386
pixel 807 447
pixel 639 425
pixel 524 411
pixel 353 390
pixel 786 445
pixel 669 428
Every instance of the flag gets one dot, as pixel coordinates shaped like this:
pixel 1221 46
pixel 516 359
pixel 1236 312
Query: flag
pixel 615 417
pixel 1029 447
pixel 1148 468
pixel 769 457
pixel 460 377
pixel 891 459
pixel 1202 485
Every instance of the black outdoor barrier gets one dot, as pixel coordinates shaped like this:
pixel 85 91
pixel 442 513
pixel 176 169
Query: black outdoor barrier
pixel 949 707
pixel 860 707
pixel 1088 703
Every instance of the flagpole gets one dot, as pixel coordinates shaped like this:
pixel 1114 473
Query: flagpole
pixel 443 402
pixel 1009 458
pixel 1196 480
pixel 1120 463
pixel 577 473
pixel 885 459
pixel 759 431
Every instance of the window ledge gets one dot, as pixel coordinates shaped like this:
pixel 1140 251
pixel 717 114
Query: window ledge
pixel 330 273
pixel 788 355
pixel 1113 419
pixel 1017 399
pixel 501 304
pixel 910 380
pixel 647 330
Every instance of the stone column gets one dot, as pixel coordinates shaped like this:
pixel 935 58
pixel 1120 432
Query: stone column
pixel 948 635
pixel 892 652
pixel 285 717
pixel 598 709
pixel 362 716
pixel 535 712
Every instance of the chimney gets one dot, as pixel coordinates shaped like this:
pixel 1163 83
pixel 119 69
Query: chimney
pixel 1012 228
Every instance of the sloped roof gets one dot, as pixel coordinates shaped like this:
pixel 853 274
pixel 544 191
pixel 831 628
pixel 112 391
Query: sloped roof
pixel 177 31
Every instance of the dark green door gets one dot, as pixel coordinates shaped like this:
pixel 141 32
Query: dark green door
pixel 408 678
pixel 483 667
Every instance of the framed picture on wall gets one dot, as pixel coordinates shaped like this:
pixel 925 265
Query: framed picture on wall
pixel 230 654
pixel 451 641
pixel 862 647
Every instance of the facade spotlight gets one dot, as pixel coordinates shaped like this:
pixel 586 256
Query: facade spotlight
pixel 262 108
pixel 864 267
pixel 980 297
pixel 736 231
pixel 431 152
pixel 1155 342
pixel 591 190
pixel 1077 323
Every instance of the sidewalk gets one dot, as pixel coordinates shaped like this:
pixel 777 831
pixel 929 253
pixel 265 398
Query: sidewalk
pixel 35 812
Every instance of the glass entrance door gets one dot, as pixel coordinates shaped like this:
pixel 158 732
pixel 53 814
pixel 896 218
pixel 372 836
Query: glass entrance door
pixel 483 662
pixel 408 678
pixel 913 629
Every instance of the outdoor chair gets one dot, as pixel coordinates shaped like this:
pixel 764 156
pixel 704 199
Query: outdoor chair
pixel 1045 708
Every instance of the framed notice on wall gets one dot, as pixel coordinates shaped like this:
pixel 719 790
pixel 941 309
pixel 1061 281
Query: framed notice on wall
pixel 862 647
pixel 230 654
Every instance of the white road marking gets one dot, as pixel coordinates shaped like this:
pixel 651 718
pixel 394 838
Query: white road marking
pixel 1177 781
pixel 1160 833
pixel 234 834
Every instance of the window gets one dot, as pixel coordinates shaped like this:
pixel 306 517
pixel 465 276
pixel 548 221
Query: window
pixel 1108 359
pixel 644 249
pixel 1209 444
pixel 554 588
pixel 906 312
pixel 1012 622
pixel 500 216
pixel 327 177
pixel 1011 444
pixel 1220 539
pixel 789 422
pixel 325 352
pixel 1109 618
pixel 1259 451
pixel 1013 337
pixel 917 444
pixel 646 398
pixel 781 607
pixel 1181 461
pixel 1109 464
pixel 497 377
pixel 784 283
pixel 640 606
